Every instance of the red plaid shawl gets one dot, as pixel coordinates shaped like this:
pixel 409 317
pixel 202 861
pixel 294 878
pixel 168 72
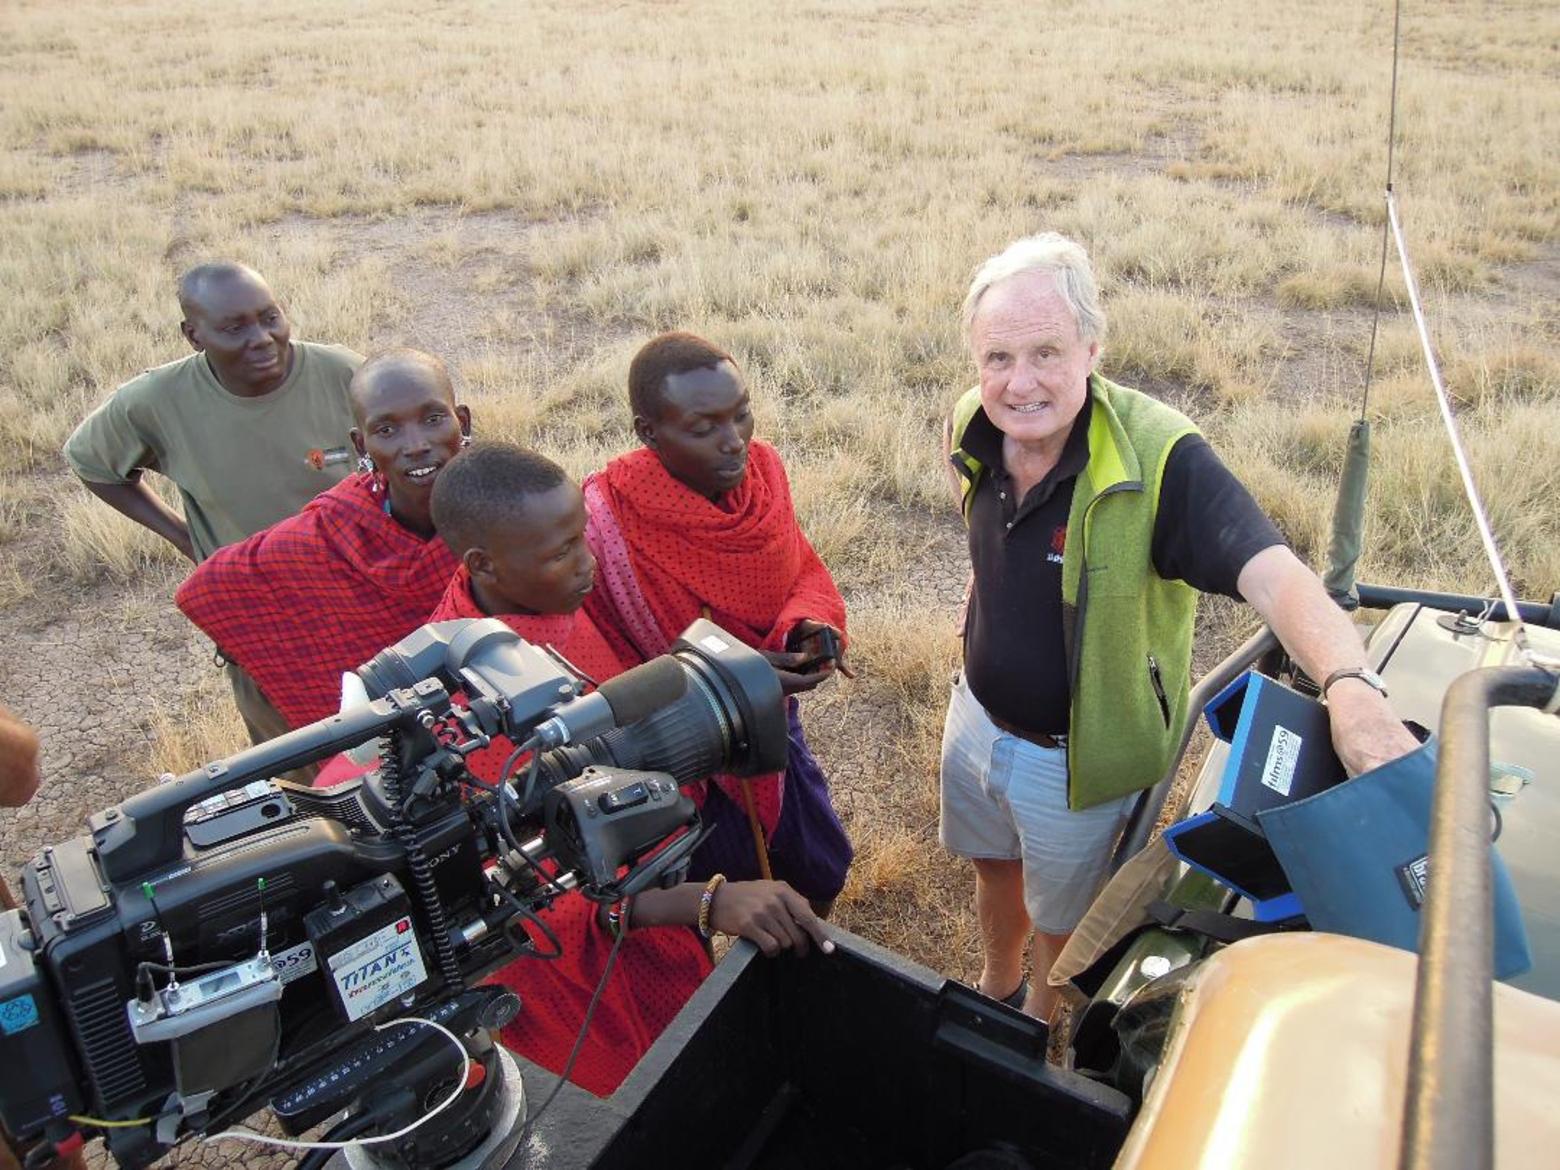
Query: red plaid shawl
pixel 658 967
pixel 315 595
pixel 666 555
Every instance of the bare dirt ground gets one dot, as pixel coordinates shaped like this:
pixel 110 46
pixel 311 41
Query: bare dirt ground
pixel 84 672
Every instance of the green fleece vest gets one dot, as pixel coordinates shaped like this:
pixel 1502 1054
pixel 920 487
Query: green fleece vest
pixel 1127 631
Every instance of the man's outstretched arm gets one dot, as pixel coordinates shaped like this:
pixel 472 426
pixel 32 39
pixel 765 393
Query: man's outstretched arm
pixel 1320 637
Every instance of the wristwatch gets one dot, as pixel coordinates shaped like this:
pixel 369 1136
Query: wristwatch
pixel 1364 673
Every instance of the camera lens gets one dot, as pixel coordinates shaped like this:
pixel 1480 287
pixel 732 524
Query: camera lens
pixel 731 718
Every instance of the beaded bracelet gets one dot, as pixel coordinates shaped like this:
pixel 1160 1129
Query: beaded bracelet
pixel 707 903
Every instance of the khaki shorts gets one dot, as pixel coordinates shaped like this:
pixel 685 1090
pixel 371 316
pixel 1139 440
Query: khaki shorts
pixel 1005 799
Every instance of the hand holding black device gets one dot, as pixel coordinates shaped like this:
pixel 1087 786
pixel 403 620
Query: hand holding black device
pixel 821 648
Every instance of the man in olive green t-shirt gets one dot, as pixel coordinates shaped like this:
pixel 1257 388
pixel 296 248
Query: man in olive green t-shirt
pixel 250 428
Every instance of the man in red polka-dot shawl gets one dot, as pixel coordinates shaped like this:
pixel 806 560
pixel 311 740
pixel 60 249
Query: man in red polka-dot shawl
pixel 516 524
pixel 699 523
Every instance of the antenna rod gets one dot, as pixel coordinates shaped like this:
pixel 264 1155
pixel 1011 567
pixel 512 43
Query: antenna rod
pixel 1381 274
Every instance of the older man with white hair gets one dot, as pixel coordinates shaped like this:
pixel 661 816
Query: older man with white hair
pixel 1095 516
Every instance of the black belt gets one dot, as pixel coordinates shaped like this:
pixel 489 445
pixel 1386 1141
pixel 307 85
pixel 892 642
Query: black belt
pixel 1038 738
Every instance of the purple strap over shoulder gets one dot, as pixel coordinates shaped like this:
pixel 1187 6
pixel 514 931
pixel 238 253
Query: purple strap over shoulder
pixel 615 578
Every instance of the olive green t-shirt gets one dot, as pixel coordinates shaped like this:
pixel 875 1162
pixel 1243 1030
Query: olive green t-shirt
pixel 240 464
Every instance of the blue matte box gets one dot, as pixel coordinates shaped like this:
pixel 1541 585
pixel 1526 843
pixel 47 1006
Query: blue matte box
pixel 1280 751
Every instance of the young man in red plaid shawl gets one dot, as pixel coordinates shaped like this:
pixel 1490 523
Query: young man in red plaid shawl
pixel 699 522
pixel 360 567
pixel 517 523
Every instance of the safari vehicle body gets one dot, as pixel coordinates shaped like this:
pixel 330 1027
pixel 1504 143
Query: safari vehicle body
pixel 1283 1050
pixel 1292 1048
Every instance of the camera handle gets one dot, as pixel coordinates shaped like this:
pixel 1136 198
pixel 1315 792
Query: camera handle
pixel 146 830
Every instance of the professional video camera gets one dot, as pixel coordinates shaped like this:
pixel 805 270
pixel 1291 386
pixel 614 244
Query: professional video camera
pixel 225 939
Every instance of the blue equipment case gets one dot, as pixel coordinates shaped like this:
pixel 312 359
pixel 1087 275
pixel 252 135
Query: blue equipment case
pixel 1280 751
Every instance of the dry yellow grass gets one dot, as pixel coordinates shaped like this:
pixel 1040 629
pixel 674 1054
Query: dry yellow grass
pixel 202 728
pixel 14 587
pixel 97 542
pixel 531 190
pixel 910 652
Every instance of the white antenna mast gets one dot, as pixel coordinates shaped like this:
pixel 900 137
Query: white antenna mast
pixel 1480 517
pixel 1443 399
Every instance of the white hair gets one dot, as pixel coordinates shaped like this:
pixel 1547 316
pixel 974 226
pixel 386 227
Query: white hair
pixel 1049 254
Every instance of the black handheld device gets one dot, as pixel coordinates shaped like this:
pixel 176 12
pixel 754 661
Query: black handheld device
pixel 821 648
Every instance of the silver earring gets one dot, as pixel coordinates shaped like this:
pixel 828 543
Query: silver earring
pixel 365 463
pixel 465 440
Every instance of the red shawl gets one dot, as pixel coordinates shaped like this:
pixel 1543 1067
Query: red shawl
pixel 316 595
pixel 658 967
pixel 744 560
pixel 667 555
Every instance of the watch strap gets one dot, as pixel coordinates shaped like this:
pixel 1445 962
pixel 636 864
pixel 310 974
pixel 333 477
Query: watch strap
pixel 1367 676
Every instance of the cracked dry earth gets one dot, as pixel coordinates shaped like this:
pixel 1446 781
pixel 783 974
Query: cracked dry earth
pixel 88 666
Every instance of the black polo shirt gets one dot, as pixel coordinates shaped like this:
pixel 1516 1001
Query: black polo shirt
pixel 1207 528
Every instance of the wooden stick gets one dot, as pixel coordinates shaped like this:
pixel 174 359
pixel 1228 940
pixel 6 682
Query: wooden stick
pixel 758 833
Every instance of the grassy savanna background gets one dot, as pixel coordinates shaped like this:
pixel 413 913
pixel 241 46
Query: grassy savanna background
pixel 532 190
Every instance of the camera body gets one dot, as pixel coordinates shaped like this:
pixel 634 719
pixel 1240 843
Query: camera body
pixel 215 941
